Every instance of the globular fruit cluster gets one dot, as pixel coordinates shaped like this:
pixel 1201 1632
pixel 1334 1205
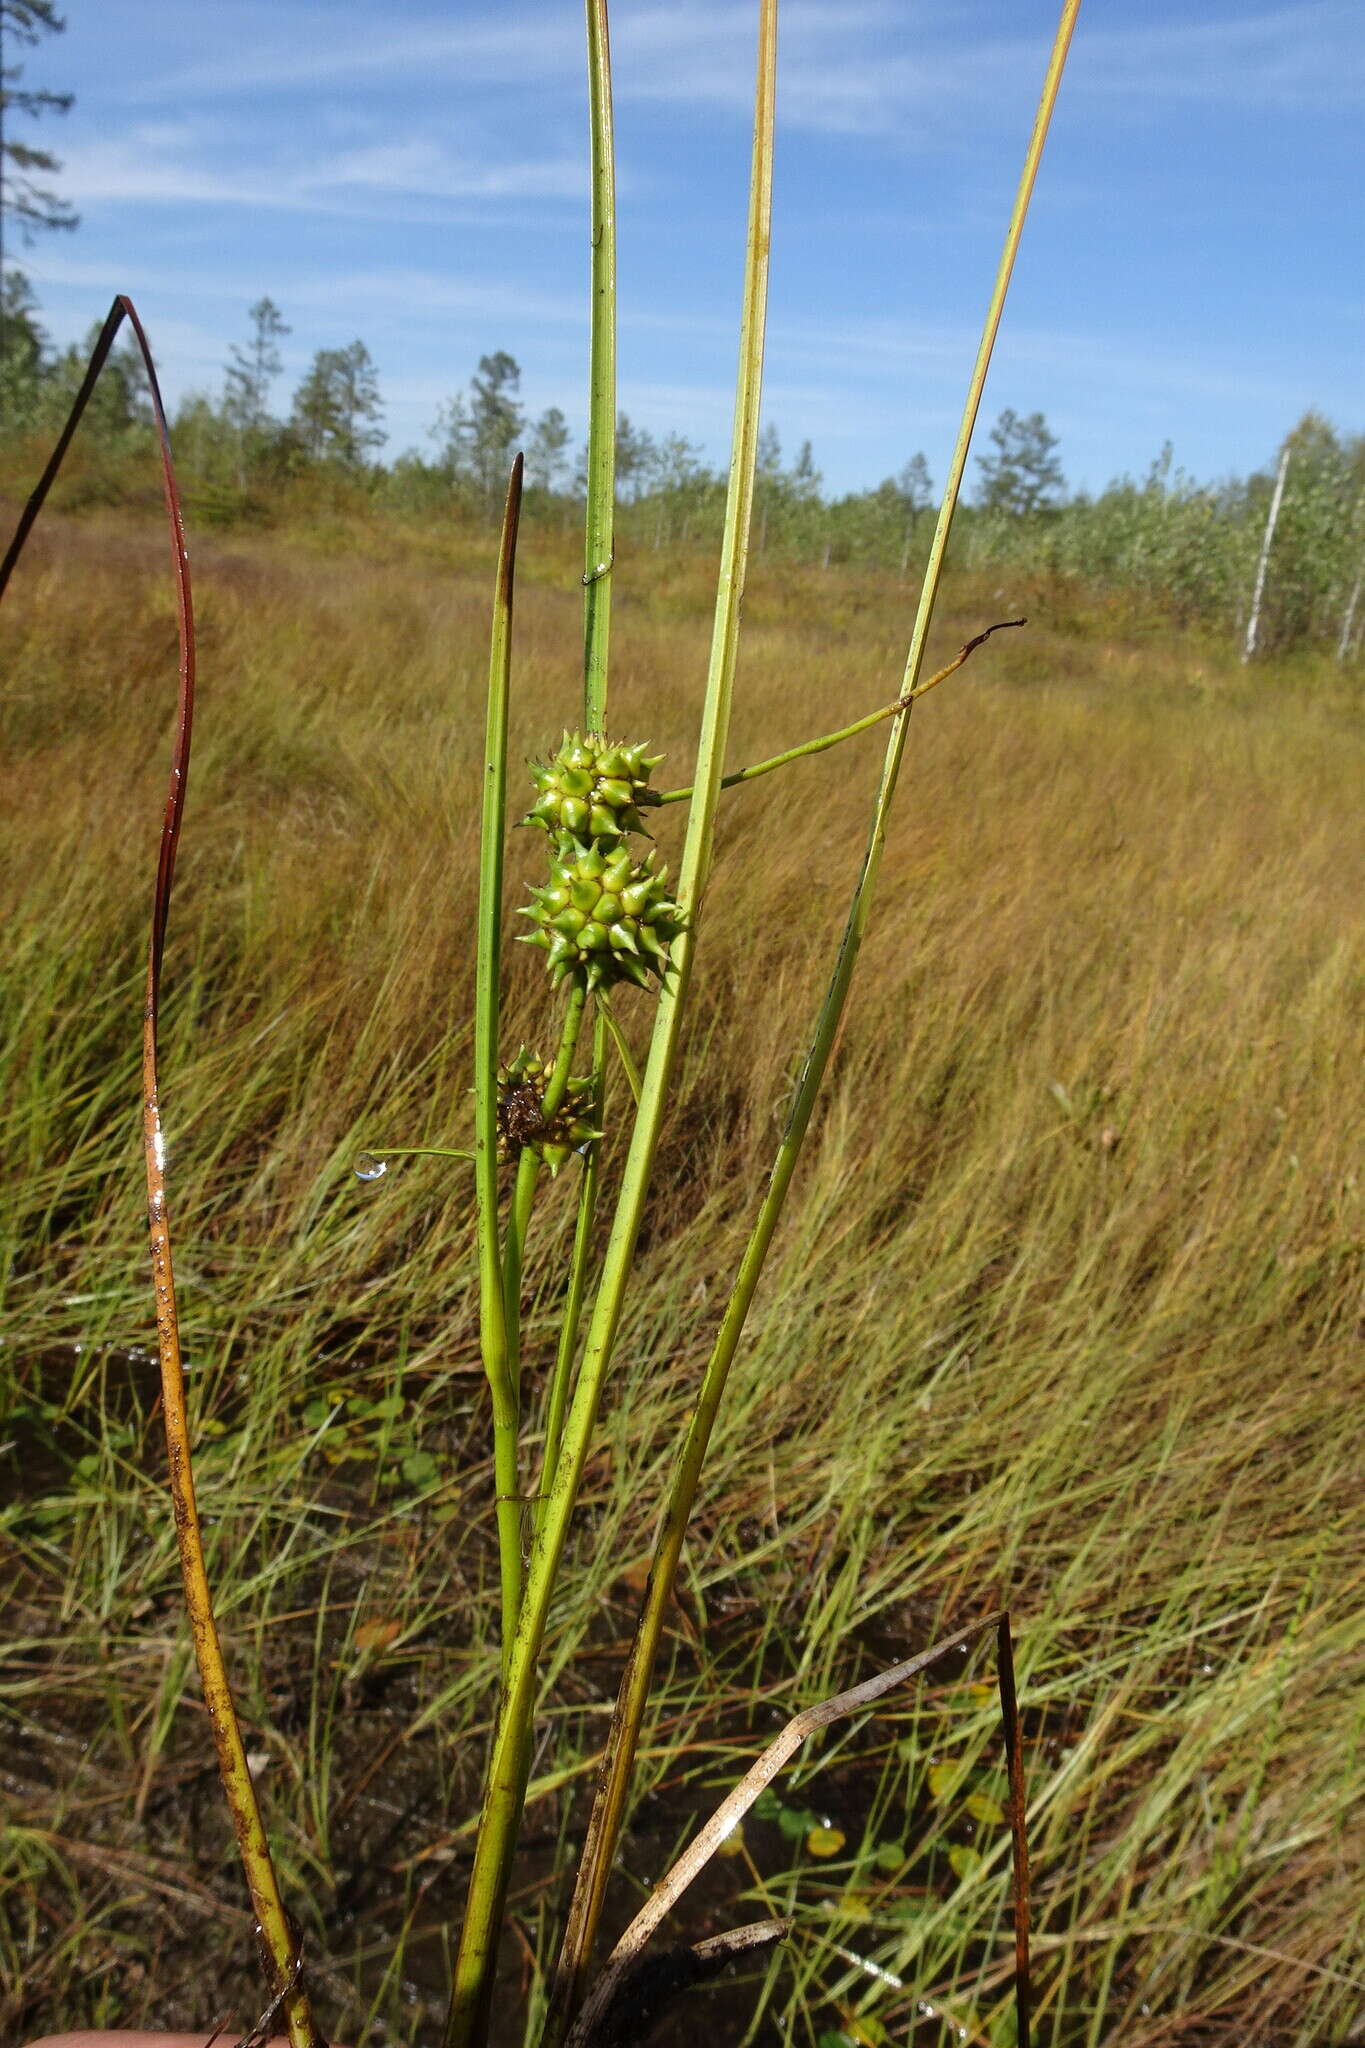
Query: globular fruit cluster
pixel 523 1122
pixel 602 917
pixel 593 789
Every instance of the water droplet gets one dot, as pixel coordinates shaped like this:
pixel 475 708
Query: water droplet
pixel 367 1167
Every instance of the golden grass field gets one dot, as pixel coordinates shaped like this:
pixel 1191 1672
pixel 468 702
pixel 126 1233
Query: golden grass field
pixel 1066 1309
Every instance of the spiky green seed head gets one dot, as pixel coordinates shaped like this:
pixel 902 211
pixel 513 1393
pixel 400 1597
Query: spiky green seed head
pixel 523 1124
pixel 593 788
pixel 603 917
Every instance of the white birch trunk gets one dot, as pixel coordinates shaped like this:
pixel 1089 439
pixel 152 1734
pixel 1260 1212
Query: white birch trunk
pixel 1254 621
pixel 1348 622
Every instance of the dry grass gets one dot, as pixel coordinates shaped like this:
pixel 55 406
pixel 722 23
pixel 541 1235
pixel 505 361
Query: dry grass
pixel 1067 1304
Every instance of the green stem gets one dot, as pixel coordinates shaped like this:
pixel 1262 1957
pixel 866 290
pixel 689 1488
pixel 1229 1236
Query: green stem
pixel 609 1808
pixel 467 2022
pixel 524 1193
pixel 578 1279
pixel 513 1252
pixel 820 746
pixel 845 732
pixel 618 1039
pixel 557 1087
pixel 493 1336
pixel 599 538
pixel 381 1153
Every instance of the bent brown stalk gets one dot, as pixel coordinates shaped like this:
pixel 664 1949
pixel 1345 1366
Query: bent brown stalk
pixel 279 1943
pixel 857 1699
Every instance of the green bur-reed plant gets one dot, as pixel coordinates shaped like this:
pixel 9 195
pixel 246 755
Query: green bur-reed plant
pixel 603 917
pixel 590 945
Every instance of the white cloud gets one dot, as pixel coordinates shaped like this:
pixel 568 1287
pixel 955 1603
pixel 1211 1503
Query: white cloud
pixel 895 70
pixel 156 164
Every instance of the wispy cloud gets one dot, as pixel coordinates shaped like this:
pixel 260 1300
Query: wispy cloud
pixel 429 170
pixel 891 69
pixel 158 164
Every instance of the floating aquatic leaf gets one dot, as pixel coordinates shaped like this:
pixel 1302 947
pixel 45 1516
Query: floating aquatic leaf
pixel 966 1862
pixel 321 1409
pixel 387 1410
pixel 377 1635
pixel 944 1780
pixel 865 2031
pixel 983 1808
pixel 825 1841
pixel 796 1822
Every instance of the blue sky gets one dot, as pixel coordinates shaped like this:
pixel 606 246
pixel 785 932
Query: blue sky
pixel 1194 267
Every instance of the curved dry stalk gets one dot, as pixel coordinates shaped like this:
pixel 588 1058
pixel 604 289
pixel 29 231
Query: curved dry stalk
pixel 732 1809
pixel 279 1943
pixel 654 1982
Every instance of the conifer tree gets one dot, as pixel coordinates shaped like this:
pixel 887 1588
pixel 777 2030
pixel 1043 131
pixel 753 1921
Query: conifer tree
pixel 1023 475
pixel 337 406
pixel 547 453
pixel 30 205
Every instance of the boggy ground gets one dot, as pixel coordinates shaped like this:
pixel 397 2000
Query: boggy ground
pixel 1066 1308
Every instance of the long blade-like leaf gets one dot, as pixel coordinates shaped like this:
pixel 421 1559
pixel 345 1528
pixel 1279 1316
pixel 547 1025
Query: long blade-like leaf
pixel 610 1805
pixel 493 1333
pixel 599 537
pixel 467 2021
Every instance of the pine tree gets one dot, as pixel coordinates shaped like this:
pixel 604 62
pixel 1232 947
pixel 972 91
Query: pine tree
pixel 337 406
pixel 1023 475
pixel 635 457
pixel 496 421
pixel 251 371
pixel 32 206
pixel 915 489
pixel 452 431
pixel 547 452
pixel 768 482
pixel 23 351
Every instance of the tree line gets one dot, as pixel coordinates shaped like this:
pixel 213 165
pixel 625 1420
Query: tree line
pixel 1208 553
